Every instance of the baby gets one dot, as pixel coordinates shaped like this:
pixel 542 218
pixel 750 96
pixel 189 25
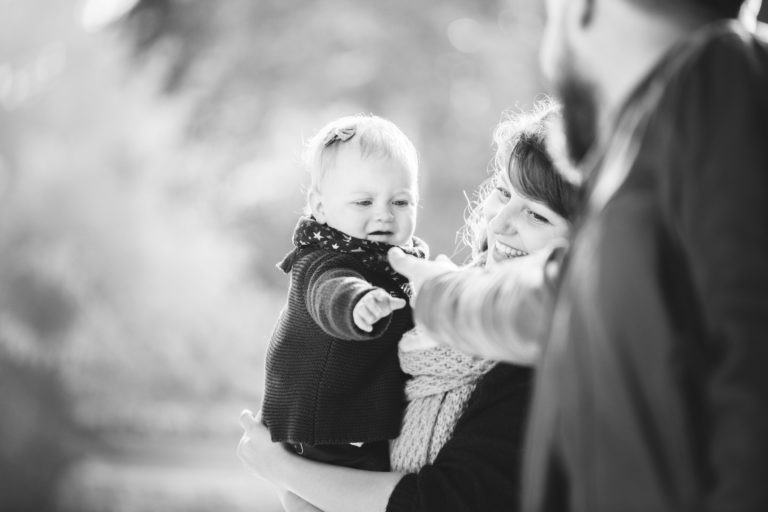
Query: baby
pixel 334 388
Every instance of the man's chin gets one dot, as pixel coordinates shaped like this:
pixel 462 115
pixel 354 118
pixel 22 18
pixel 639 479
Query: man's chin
pixel 577 97
pixel 580 124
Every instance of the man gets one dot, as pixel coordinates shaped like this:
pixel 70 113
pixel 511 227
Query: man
pixel 652 393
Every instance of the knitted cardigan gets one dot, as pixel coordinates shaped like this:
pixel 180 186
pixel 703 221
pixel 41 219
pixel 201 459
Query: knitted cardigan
pixel 327 381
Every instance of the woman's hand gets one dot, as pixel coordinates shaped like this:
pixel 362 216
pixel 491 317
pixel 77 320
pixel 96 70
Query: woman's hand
pixel 261 456
pixel 256 450
pixel 293 503
pixel 328 487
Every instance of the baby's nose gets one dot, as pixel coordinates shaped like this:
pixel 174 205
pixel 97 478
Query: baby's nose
pixel 384 214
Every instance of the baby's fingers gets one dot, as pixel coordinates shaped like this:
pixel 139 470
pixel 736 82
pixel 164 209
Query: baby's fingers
pixel 374 306
pixel 363 317
pixel 377 305
pixel 395 303
pixel 383 304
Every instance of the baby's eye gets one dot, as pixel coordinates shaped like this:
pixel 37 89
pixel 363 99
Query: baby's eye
pixel 504 193
pixel 535 217
pixel 401 202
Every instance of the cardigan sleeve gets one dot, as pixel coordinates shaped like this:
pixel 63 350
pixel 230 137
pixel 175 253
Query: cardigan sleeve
pixel 499 314
pixel 333 290
pixel 720 211
pixel 479 467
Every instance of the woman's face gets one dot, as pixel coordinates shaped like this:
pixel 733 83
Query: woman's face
pixel 516 225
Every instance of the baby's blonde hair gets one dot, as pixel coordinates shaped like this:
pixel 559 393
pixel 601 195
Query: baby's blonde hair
pixel 374 136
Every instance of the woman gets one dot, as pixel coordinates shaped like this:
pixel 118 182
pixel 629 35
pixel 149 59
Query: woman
pixel 461 442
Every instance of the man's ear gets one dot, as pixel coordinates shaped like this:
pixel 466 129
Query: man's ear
pixel 316 205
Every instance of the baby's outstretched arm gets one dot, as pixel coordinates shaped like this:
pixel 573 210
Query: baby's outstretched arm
pixel 374 306
pixel 334 289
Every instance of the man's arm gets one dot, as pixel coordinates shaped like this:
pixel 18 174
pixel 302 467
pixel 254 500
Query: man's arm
pixel 500 314
pixel 722 223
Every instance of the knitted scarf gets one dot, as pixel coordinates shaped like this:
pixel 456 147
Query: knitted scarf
pixel 372 254
pixel 443 380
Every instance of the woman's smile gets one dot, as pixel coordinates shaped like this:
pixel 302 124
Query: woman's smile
pixel 503 251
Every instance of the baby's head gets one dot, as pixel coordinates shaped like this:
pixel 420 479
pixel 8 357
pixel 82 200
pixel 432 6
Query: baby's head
pixel 364 179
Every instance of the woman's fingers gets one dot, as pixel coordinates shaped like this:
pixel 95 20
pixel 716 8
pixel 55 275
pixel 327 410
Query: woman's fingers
pixel 248 420
pixel 242 451
pixel 293 503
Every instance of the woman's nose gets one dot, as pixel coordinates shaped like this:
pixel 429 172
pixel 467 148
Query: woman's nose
pixel 505 219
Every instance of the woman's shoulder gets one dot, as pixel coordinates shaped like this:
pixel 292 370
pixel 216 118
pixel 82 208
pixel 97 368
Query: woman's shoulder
pixel 504 377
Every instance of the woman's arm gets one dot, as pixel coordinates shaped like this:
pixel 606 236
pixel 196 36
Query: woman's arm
pixel 293 503
pixel 477 469
pixel 330 488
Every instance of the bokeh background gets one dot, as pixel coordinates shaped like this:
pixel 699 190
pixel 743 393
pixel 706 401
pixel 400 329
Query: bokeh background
pixel 150 180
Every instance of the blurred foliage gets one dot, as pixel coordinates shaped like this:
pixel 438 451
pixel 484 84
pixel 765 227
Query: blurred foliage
pixel 149 180
pixel 262 75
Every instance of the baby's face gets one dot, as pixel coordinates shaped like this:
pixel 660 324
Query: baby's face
pixel 371 198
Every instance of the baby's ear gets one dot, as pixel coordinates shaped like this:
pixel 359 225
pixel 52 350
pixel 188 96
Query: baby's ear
pixel 316 205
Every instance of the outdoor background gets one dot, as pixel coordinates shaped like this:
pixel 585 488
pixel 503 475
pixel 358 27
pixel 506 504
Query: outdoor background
pixel 150 180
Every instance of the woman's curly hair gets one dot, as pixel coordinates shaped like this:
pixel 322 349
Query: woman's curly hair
pixel 521 140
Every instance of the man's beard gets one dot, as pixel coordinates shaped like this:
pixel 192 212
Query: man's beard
pixel 579 112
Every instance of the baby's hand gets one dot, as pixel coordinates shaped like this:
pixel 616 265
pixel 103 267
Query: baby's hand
pixel 374 306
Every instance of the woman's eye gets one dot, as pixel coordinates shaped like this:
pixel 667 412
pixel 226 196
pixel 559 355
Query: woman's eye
pixel 364 202
pixel 535 217
pixel 503 193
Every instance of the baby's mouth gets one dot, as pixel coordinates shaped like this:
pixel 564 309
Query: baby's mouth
pixel 507 251
pixel 380 236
